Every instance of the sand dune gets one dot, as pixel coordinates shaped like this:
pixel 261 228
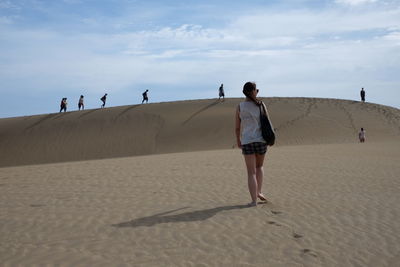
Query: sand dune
pixel 184 126
pixel 332 200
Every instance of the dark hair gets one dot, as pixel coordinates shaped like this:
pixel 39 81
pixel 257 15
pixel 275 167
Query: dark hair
pixel 247 89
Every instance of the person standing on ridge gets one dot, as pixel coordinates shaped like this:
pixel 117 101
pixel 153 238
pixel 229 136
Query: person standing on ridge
pixel 221 92
pixel 63 105
pixel 103 99
pixel 362 94
pixel 80 103
pixel 145 98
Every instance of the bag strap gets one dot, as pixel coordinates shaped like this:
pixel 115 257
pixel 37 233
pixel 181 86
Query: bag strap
pixel 263 109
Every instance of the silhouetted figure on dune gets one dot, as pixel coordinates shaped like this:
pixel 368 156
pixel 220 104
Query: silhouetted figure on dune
pixel 362 94
pixel 103 99
pixel 80 103
pixel 145 98
pixel 221 92
pixel 63 105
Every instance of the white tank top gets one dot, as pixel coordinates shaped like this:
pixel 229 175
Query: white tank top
pixel 250 123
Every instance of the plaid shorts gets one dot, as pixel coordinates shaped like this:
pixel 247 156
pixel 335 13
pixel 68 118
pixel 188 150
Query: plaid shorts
pixel 254 148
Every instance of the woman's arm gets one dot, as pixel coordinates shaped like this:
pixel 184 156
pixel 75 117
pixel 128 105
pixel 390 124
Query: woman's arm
pixel 237 127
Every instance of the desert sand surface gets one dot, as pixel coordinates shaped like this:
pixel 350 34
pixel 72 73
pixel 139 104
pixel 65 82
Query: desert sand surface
pixel 173 189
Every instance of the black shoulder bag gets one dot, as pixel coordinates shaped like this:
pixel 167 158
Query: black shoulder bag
pixel 266 126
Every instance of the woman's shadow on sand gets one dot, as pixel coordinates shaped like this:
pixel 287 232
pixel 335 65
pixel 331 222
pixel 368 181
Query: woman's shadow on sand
pixel 192 216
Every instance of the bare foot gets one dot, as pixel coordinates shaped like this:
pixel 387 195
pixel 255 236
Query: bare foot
pixel 262 197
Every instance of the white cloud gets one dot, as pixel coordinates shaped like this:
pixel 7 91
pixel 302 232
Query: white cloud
pixel 354 2
pixel 294 53
pixel 393 36
pixel 309 23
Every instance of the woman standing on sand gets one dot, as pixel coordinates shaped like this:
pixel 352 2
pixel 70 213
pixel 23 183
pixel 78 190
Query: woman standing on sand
pixel 249 139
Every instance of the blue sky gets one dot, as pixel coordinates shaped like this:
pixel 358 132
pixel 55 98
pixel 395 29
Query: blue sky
pixel 186 49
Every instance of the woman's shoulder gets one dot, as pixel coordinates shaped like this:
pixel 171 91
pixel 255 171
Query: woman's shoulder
pixel 242 104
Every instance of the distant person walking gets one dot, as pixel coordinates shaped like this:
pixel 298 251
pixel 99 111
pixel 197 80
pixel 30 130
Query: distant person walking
pixel 362 94
pixel 361 135
pixel 103 99
pixel 80 103
pixel 63 105
pixel 249 139
pixel 221 92
pixel 145 98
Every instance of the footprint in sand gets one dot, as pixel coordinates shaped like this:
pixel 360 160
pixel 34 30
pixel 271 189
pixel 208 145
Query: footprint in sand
pixel 295 235
pixel 307 251
pixel 276 212
pixel 274 223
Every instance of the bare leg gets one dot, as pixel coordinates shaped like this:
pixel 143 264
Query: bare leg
pixel 251 176
pixel 260 173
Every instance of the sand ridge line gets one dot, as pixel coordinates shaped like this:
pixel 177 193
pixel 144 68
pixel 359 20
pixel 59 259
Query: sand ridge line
pixel 200 111
pixel 349 116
